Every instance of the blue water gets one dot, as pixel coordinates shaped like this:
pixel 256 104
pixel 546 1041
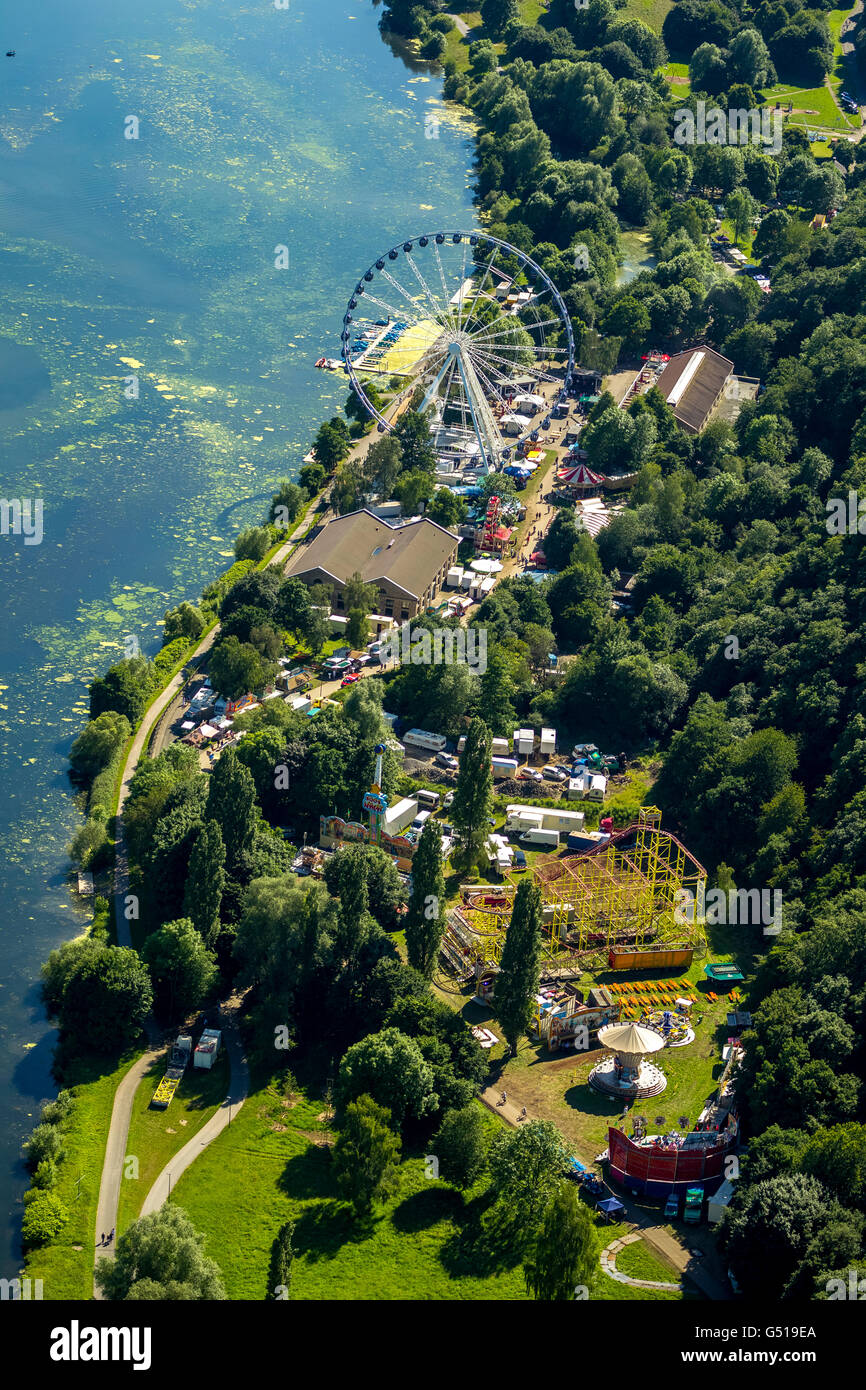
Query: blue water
pixel 257 128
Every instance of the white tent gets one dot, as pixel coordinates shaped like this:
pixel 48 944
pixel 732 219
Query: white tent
pixel 486 566
pixel 717 1205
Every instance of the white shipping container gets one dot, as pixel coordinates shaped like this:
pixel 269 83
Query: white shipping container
pixel 398 816
pixel 454 577
pixel 548 741
pixel 500 747
pixel 524 742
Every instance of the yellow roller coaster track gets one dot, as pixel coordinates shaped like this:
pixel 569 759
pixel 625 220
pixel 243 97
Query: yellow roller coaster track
pixel 630 891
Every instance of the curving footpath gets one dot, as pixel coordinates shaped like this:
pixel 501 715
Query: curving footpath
pixel 118 1132
pixel 115 1153
pixel 238 1091
pixel 607 1260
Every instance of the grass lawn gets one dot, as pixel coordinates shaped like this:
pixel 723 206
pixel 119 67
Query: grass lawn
pixel 456 45
pixel 814 107
pixel 745 242
pixel 66 1265
pixel 652 12
pixel 272 1165
pixel 155 1135
pixel 677 74
pixel 835 20
pixel 267 1168
pixel 641 1262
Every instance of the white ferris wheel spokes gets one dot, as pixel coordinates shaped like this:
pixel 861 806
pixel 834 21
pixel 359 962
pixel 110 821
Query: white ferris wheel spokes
pixel 467 324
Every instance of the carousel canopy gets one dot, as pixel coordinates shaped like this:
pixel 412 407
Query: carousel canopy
pixel 580 476
pixel 630 1039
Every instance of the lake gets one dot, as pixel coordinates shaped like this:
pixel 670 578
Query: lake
pixel 156 367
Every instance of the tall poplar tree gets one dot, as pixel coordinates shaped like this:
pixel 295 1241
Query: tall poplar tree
pixel 231 803
pixel 473 794
pixel 520 966
pixel 425 918
pixel 564 1257
pixel 205 882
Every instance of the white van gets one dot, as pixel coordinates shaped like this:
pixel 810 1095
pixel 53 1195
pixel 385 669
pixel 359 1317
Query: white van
pixel 421 819
pixel 540 839
pixel 430 800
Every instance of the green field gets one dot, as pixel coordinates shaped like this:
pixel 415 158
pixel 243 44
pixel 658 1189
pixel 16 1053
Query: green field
pixel 814 107
pixel 652 12
pixel 641 1262
pixel 272 1165
pixel 155 1135
pixel 66 1266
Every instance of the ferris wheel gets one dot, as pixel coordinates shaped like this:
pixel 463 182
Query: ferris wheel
pixel 475 332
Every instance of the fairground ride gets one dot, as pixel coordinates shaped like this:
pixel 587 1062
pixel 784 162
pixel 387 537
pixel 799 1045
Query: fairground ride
pixel 472 327
pixel 642 891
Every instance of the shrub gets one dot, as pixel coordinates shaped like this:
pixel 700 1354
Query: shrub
pixel 54 1112
pixel 44 1218
pixel 46 1141
pixel 253 544
pixel 46 1174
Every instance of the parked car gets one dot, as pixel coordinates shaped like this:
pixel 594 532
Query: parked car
pixel 672 1205
pixel 351 678
pixel 529 774
pixel 449 797
pixel 553 774
pixel 447 760
pixel 519 859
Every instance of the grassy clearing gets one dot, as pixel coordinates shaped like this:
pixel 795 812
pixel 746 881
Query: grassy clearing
pixel 456 44
pixel 745 242
pixel 641 1262
pixel 66 1265
pixel 272 1165
pixel 814 107
pixel 156 1135
pixel 835 20
pixel 652 12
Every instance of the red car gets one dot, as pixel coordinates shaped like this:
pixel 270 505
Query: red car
pixel 350 680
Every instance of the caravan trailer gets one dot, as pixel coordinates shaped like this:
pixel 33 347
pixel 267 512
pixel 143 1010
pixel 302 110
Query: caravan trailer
pixel 540 839
pixel 421 739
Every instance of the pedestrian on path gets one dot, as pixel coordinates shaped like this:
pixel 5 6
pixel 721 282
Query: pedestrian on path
pixel 504 1098
pixel 111 1236
pixel 102 1239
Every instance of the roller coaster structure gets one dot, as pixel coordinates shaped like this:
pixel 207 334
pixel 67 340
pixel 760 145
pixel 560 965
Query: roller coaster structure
pixel 642 889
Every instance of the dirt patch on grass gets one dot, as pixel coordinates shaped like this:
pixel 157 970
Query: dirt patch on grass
pixel 319 1137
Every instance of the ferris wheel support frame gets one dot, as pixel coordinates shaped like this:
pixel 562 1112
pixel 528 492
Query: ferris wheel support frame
pixel 475 396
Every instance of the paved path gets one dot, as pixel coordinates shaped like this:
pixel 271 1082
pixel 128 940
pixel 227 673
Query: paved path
pixel 115 1153
pixel 667 1245
pixel 238 1092
pixel 460 25
pixel 118 1131
pixel 607 1260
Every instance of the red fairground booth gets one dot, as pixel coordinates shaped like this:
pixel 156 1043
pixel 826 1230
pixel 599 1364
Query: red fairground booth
pixel 661 1164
